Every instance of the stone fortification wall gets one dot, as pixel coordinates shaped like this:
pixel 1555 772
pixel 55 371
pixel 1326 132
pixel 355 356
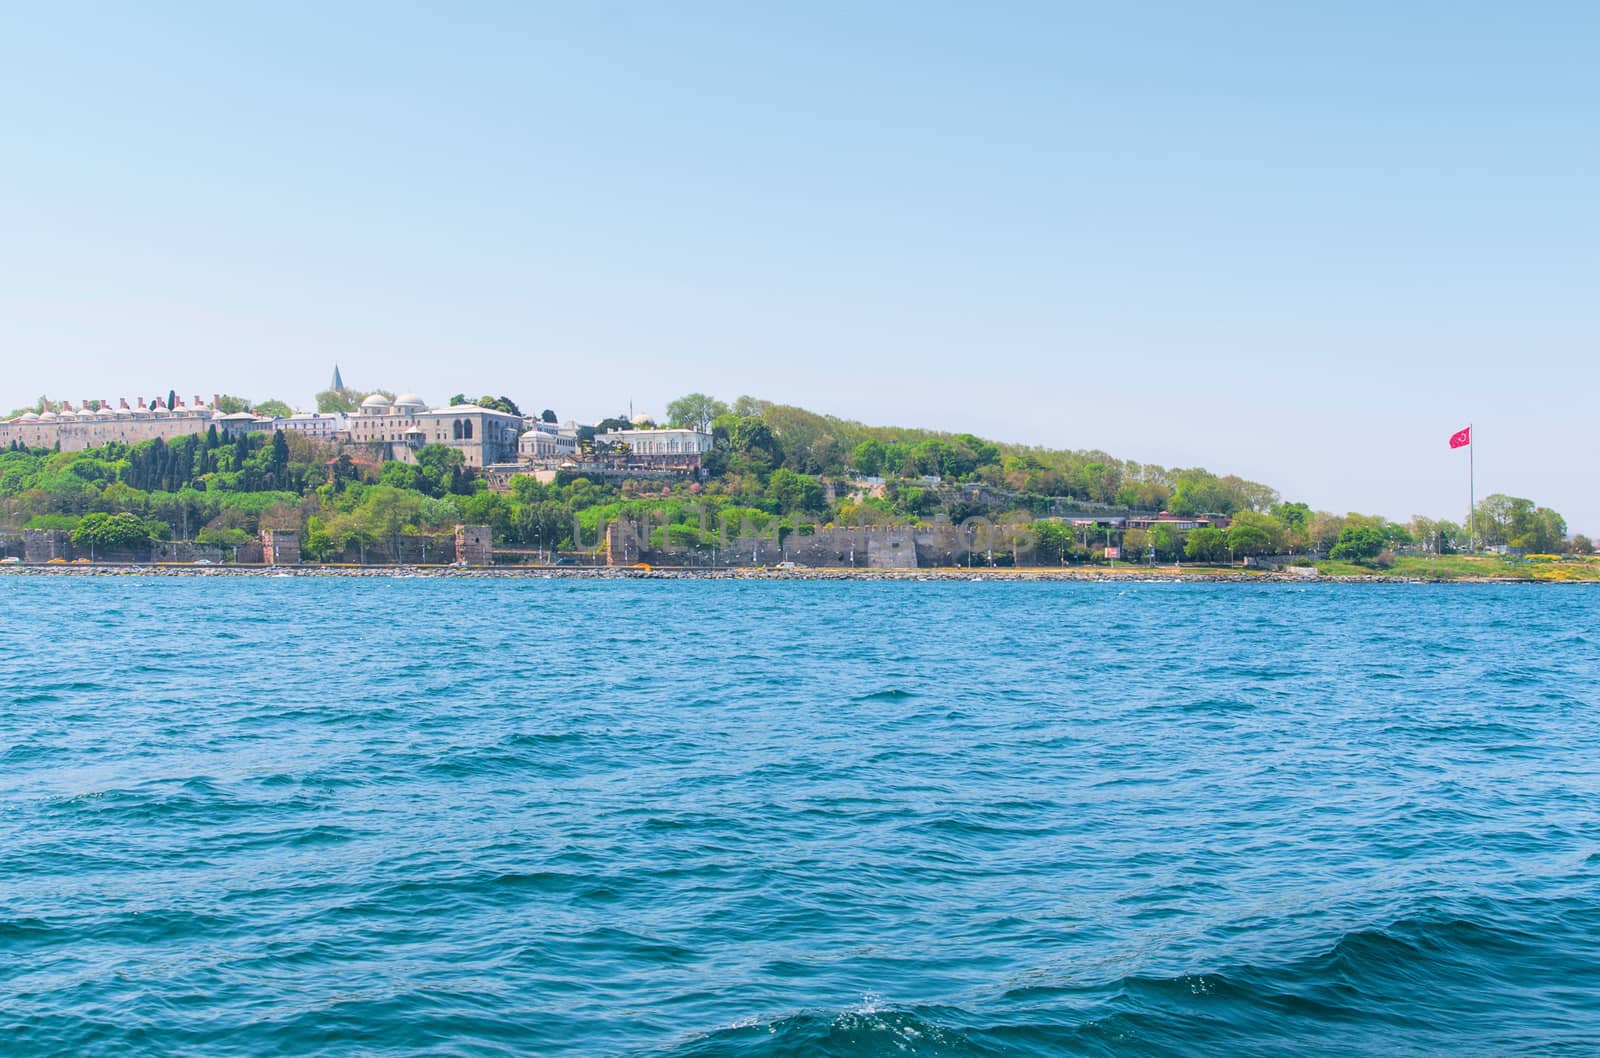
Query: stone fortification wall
pixel 184 551
pixel 42 545
pixel 474 545
pixel 858 547
pixel 280 547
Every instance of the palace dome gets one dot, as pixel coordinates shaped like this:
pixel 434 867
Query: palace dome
pixel 377 400
pixel 409 400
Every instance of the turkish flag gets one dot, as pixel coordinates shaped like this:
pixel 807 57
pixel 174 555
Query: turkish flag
pixel 1461 438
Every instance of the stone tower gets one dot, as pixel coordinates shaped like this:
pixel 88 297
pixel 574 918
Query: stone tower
pixel 338 383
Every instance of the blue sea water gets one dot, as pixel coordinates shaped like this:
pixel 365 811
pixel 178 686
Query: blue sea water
pixel 741 819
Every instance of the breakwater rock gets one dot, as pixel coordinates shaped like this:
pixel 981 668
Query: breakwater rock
pixel 1169 576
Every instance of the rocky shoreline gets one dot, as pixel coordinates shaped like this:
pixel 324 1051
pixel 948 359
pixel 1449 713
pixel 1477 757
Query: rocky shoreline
pixel 1033 574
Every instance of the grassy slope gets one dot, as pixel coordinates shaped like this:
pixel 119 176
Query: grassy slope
pixel 1463 567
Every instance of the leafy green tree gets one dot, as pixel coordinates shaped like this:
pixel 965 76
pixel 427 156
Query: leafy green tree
pixel 547 416
pixel 1449 537
pixel 219 536
pixel 1053 539
pixel 1167 540
pixel 317 541
pixel 984 452
pixel 1297 516
pixel 1199 492
pixel 110 532
pixel 695 411
pixel 385 512
pixel 1272 528
pixel 1205 545
pixel 795 492
pixel 503 404
pixel 1135 544
pixel 1544 532
pixel 276 408
pixel 915 501
pixel 752 441
pixel 1517 522
pixel 1580 545
pixel 1245 538
pixel 868 457
pixel 1358 543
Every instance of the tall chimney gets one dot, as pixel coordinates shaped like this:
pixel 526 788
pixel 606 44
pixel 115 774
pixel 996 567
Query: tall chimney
pixel 216 400
pixel 197 400
pixel 122 402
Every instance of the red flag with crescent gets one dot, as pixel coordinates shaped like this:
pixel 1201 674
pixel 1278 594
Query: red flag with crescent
pixel 1461 438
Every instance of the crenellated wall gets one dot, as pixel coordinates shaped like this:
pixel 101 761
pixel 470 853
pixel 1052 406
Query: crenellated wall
pixel 859 547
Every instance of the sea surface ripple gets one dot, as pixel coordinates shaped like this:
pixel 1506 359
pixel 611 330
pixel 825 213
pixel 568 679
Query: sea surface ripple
pixel 723 819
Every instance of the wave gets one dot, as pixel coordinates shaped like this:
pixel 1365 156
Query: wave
pixel 1419 986
pixel 869 1029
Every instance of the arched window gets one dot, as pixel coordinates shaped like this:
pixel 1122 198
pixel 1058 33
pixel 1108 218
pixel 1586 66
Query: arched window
pixel 466 429
pixel 455 430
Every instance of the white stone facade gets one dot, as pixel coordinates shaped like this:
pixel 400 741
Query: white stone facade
pixel 666 444
pixel 319 426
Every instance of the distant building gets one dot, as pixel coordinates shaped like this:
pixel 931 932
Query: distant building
pixel 1175 521
pixel 481 435
pixel 78 428
pixel 543 442
pixel 316 425
pixel 665 445
pixel 242 422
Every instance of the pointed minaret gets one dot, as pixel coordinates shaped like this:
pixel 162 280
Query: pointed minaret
pixel 338 383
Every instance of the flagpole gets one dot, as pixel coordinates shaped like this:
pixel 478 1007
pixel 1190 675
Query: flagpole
pixel 1472 485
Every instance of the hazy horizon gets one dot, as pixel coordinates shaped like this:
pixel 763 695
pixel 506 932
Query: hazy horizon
pixel 1299 246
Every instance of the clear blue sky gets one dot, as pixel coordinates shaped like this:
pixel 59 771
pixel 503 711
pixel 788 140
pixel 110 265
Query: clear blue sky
pixel 1300 245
